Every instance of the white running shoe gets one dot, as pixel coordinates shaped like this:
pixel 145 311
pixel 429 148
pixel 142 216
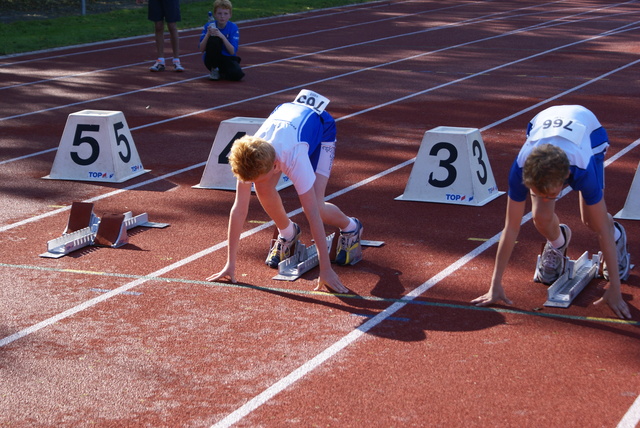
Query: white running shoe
pixel 214 74
pixel 623 255
pixel 552 261
pixel 157 66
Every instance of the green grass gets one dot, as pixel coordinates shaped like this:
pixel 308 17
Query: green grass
pixel 34 35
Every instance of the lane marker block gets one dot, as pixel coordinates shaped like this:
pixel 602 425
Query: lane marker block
pixel 110 231
pixel 577 274
pixel 451 167
pixel 631 210
pixel 217 173
pixel 96 145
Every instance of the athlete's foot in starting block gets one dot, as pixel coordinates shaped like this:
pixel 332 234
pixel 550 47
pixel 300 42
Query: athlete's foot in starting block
pixel 283 249
pixel 349 247
pixel 552 263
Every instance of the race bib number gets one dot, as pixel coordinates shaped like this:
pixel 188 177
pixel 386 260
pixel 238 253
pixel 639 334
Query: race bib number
pixel 313 100
pixel 563 127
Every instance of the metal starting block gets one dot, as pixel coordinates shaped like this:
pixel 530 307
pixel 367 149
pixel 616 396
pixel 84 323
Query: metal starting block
pixel 110 231
pixel 576 276
pixel 304 259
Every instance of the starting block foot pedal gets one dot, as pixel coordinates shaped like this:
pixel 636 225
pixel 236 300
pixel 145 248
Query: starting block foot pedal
pixel 575 278
pixel 81 216
pixel 112 231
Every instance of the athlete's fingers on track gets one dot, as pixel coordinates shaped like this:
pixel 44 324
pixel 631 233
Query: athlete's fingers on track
pixel 336 288
pixel 487 299
pixel 221 275
pixel 621 310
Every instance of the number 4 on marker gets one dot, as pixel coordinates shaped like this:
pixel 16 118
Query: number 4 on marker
pixel 223 157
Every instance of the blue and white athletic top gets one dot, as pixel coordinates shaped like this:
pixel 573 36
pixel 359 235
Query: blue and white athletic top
pixel 296 133
pixel 578 132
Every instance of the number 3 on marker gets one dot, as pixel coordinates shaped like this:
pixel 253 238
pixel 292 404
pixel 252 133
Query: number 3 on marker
pixel 447 163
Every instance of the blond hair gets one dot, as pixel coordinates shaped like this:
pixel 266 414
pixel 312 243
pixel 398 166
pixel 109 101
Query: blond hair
pixel 225 4
pixel 251 157
pixel 546 168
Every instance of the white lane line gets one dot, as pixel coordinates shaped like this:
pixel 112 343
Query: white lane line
pixel 560 21
pixel 92 302
pixel 244 45
pixel 48 214
pixel 347 340
pixel 632 417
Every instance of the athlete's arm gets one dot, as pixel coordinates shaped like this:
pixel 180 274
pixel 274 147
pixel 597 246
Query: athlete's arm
pixel 327 277
pixel 237 218
pixel 513 218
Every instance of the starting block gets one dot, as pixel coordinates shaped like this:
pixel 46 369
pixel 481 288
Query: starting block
pixel 110 231
pixel 577 274
pixel 304 259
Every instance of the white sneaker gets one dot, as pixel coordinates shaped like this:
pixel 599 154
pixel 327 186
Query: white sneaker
pixel 552 261
pixel 178 67
pixel 623 255
pixel 158 66
pixel 214 74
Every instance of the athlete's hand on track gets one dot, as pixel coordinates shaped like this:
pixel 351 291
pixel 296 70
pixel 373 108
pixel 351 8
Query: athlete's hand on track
pixel 616 303
pixel 492 297
pixel 332 282
pixel 224 273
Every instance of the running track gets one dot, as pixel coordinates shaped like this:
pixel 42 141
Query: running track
pixel 135 337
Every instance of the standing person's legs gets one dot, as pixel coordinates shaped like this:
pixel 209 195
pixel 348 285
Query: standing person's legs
pixel 156 15
pixel 175 45
pixel 175 41
pixel 159 35
pixel 171 14
pixel 159 65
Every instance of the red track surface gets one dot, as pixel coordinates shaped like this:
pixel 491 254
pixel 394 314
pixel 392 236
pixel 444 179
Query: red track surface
pixel 166 348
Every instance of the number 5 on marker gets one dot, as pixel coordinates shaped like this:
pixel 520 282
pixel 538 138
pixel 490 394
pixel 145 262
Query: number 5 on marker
pixel 96 145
